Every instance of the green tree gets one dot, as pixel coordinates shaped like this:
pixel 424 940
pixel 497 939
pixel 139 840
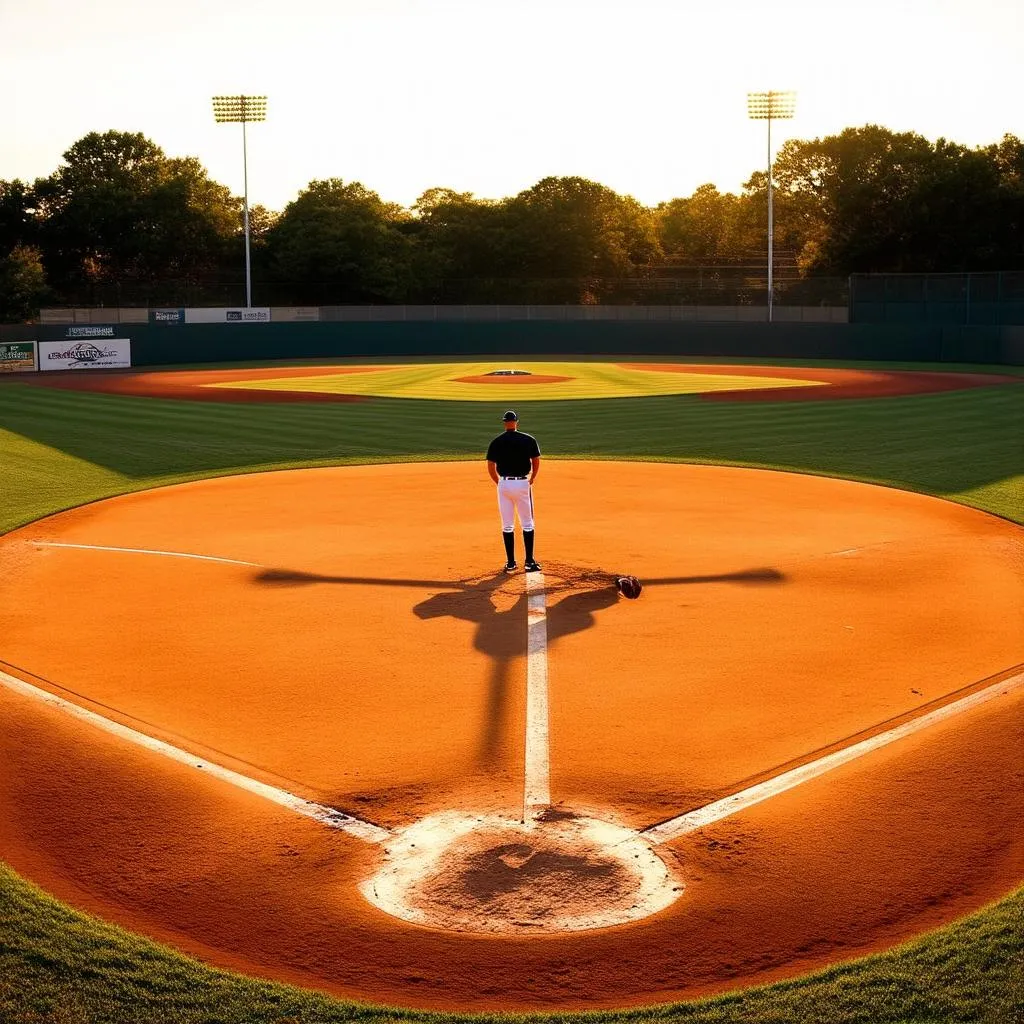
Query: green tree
pixel 579 237
pixel 119 210
pixel 1008 158
pixel 870 199
pixel 17 215
pixel 339 242
pixel 23 286
pixel 701 229
pixel 462 251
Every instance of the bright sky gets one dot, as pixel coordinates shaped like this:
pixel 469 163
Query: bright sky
pixel 489 96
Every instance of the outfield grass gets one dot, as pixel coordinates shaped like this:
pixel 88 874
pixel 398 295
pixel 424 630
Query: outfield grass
pixel 59 449
pixel 64 447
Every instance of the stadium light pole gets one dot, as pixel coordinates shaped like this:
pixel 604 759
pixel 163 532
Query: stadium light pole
pixel 769 106
pixel 242 110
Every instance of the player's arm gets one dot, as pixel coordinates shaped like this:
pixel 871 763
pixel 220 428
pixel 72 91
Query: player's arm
pixel 492 468
pixel 535 466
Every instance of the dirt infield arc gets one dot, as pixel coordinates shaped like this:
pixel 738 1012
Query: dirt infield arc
pixel 358 382
pixel 320 632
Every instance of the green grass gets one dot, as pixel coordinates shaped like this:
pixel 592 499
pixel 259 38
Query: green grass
pixel 59 449
pixel 58 966
pixel 62 447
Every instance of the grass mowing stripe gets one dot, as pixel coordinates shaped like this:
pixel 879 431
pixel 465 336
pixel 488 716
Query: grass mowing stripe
pixel 60 448
pixel 672 426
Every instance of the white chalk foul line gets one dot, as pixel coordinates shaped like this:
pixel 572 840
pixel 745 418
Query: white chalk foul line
pixel 329 816
pixel 140 551
pixel 537 787
pixel 693 820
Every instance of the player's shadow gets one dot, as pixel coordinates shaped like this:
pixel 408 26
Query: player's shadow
pixel 499 631
pixel 499 635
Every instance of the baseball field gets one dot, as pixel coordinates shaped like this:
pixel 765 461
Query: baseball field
pixel 281 742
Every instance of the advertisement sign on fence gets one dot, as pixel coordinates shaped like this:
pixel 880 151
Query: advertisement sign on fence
pixel 233 315
pixel 167 316
pixel 90 331
pixel 85 355
pixel 17 356
pixel 295 314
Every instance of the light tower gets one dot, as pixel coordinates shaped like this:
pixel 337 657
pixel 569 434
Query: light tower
pixel 769 106
pixel 242 110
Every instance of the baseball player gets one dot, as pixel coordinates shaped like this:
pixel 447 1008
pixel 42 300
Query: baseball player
pixel 513 461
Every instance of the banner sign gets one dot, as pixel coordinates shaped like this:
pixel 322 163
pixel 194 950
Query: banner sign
pixel 90 331
pixel 235 315
pixel 17 357
pixel 85 355
pixel 295 314
pixel 167 316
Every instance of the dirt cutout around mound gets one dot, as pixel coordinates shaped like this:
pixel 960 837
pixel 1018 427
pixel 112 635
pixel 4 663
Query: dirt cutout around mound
pixel 525 378
pixel 337 650
pixel 554 873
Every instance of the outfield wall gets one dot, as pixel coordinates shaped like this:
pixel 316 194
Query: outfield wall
pixel 168 344
pixel 972 298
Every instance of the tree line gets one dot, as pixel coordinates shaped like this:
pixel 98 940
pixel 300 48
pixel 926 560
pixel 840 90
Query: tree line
pixel 119 222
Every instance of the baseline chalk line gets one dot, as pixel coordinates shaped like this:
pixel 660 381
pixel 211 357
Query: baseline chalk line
pixel 693 820
pixel 537 786
pixel 329 816
pixel 140 551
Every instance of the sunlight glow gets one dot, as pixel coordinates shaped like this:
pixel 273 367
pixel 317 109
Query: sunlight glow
pixel 403 95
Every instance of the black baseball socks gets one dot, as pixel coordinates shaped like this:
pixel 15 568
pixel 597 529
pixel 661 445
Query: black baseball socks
pixel 528 544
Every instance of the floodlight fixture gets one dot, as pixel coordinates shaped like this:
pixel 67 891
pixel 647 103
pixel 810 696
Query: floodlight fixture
pixel 770 106
pixel 242 110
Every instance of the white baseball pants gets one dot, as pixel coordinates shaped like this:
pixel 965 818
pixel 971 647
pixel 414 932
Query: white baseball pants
pixel 515 496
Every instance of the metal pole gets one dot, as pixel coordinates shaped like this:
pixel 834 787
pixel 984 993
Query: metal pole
pixel 245 176
pixel 771 226
pixel 767 106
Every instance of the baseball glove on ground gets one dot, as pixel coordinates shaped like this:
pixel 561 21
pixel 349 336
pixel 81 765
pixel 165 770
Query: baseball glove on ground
pixel 628 586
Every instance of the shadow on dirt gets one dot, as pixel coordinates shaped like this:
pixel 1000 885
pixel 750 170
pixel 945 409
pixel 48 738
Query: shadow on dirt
pixel 499 630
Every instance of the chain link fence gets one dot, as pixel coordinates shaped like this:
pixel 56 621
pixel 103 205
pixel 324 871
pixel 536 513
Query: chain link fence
pixel 697 286
pixel 995 298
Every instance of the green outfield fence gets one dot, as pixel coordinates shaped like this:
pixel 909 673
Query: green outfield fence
pixel 987 299
pixel 176 342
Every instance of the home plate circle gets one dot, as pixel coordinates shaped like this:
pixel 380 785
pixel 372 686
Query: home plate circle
pixel 558 872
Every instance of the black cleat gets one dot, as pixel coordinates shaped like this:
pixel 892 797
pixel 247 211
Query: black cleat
pixel 510 567
pixel 532 566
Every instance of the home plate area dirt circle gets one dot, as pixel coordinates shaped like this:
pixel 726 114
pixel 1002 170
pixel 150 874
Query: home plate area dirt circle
pixel 300 725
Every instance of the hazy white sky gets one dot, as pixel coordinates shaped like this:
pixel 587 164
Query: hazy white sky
pixel 488 96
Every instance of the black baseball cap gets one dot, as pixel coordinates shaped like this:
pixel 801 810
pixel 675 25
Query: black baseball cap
pixel 510 415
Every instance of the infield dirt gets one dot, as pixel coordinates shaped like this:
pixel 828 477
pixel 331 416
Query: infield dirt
pixel 373 659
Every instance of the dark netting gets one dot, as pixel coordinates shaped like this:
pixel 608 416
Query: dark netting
pixel 945 288
pixel 995 297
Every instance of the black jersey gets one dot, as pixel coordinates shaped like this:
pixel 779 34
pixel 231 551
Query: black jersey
pixel 512 451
